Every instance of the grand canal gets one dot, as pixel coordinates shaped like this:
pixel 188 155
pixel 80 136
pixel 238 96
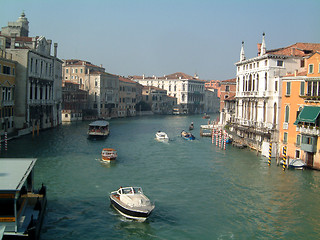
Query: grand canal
pixel 200 191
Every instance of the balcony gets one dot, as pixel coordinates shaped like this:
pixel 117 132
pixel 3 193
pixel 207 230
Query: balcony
pixel 7 103
pixel 309 143
pixel 310 130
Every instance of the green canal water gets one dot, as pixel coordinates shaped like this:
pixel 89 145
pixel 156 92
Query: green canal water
pixel 200 191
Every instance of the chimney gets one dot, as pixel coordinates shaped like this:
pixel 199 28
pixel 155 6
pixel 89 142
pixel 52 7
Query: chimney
pixel 50 44
pixel 293 51
pixel 55 45
pixel 13 42
pixel 259 48
pixel 34 43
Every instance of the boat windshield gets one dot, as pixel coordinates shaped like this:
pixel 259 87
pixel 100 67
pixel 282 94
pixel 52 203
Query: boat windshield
pixel 137 190
pixel 131 190
pixel 127 190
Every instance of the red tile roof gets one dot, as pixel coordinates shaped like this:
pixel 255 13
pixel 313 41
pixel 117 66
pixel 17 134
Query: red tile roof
pixel 78 62
pixel 233 80
pixel 177 75
pixel 304 73
pixel 153 88
pixel 297 49
pixel 122 79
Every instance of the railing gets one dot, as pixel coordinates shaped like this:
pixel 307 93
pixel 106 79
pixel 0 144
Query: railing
pixel 6 103
pixel 41 101
pixel 308 130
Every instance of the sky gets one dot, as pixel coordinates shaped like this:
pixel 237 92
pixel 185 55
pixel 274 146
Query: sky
pixel 161 37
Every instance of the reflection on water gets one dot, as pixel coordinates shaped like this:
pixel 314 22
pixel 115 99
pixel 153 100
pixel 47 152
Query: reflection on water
pixel 198 189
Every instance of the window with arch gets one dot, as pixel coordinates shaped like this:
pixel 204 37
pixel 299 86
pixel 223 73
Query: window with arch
pixel 250 83
pixel 286 114
pixel 266 81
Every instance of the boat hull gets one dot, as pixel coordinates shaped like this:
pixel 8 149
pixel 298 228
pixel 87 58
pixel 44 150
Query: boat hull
pixel 129 213
pixel 108 159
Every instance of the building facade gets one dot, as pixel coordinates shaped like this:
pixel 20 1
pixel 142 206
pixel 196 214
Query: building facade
pixel 127 97
pixel 74 100
pixel 211 101
pixel 102 87
pixel 300 114
pixel 227 100
pixel 258 91
pixel 158 99
pixel 38 78
pixel 188 90
pixel 7 90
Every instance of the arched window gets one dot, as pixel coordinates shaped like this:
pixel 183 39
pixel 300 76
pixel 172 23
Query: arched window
pixel 266 81
pixel 286 116
pixel 250 83
pixel 275 113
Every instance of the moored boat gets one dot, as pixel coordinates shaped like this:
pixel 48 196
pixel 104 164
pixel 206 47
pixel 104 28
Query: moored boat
pixel 109 154
pixel 187 135
pixel 162 136
pixel 21 207
pixel 131 203
pixel 297 164
pixel 206 116
pixel 98 129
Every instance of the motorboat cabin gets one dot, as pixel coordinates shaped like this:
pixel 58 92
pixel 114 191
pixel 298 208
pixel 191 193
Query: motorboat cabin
pixel 131 203
pixel 162 136
pixel 21 206
pixel 109 154
pixel 98 129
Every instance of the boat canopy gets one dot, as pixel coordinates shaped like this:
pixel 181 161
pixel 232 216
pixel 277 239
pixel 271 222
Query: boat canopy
pixel 99 123
pixel 15 172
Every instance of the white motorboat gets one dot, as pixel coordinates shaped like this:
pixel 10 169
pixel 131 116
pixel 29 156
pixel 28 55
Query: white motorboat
pixel 131 203
pixel 162 136
pixel 296 164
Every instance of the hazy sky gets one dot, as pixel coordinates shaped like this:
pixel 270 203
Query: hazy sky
pixel 135 37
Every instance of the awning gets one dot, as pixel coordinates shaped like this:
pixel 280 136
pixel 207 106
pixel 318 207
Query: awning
pixel 308 114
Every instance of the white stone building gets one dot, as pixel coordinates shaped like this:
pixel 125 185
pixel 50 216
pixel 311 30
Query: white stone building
pixel 258 91
pixel 38 78
pixel 189 91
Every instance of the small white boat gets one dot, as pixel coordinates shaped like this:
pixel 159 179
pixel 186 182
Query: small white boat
pixel 162 136
pixel 296 164
pixel 131 203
